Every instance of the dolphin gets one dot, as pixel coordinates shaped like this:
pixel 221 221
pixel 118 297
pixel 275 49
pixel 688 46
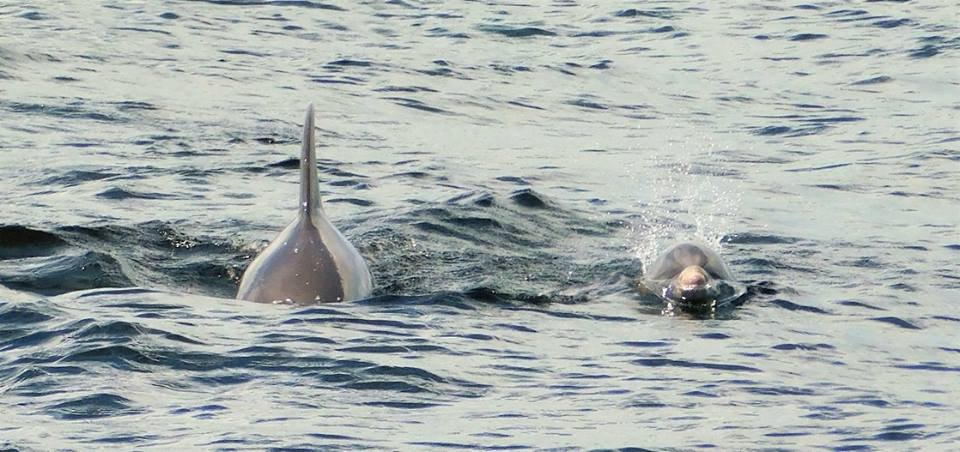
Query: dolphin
pixel 310 261
pixel 692 275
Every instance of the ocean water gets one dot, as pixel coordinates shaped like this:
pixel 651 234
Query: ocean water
pixel 507 169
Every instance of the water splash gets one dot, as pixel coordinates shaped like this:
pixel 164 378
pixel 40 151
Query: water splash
pixel 690 195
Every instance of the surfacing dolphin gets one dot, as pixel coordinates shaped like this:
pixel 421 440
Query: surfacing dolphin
pixel 310 261
pixel 691 275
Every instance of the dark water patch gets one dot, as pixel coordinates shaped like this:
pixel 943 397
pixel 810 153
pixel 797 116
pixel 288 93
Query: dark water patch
pixel 349 63
pixel 353 201
pixel 898 436
pixel 848 188
pixel 529 198
pixel 472 446
pixel 772 130
pixel 583 103
pixel 70 111
pixel 903 286
pixel 405 89
pixel 417 105
pixel 896 321
pixel 341 81
pixel 859 304
pixel 524 105
pixel 358 184
pixel 403 405
pixel 505 69
pixel 807 37
pixel 404 349
pixel 19 242
pixel 926 51
pixel 831 119
pixel 786 434
pixel 661 362
pixel 818 168
pixel 144 30
pixel 748 238
pixel 76 177
pixel 285 3
pixel 791 306
pixel 803 347
pixel 276 140
pixel 243 52
pixel 935 367
pixel 946 318
pixel 124 439
pixel 395 324
pixel 328 436
pixel 92 406
pixel 874 80
pixel 645 344
pixel 18 314
pixel 133 105
pixel 515 32
pixel 513 179
pixel 123 357
pixel 779 391
pixel 33 15
pixel 160 256
pixel 64 273
pixel 846 13
pixel 290 163
pixel 656 13
pixel 117 193
pixel 875 402
pixel 713 336
pixel 891 23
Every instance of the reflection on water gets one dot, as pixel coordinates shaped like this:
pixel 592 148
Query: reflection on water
pixel 507 170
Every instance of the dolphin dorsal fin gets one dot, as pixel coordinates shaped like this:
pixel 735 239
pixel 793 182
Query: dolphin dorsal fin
pixel 310 204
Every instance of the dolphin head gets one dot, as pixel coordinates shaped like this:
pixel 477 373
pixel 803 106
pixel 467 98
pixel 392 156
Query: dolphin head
pixel 690 274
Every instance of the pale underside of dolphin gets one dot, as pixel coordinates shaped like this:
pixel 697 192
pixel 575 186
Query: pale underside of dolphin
pixel 310 261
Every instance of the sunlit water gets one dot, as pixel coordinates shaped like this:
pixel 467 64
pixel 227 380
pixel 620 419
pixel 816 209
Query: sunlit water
pixel 506 169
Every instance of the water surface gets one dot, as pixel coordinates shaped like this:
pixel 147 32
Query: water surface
pixel 507 169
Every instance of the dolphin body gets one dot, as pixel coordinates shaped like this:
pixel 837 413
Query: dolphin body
pixel 691 275
pixel 310 261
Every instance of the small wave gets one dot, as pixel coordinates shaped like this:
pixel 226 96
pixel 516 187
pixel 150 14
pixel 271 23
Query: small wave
pixel 896 321
pixel 93 406
pixel 19 242
pixel 660 362
pixel 515 32
pixel 294 3
pixel 116 193
pixel 64 273
pixel 791 306
pixel 807 37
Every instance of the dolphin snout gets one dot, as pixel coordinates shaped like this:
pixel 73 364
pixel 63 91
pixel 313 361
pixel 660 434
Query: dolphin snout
pixel 692 285
pixel 692 277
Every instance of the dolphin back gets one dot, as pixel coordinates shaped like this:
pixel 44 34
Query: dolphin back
pixel 310 261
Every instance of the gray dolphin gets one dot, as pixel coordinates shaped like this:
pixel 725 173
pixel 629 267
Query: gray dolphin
pixel 310 261
pixel 692 274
